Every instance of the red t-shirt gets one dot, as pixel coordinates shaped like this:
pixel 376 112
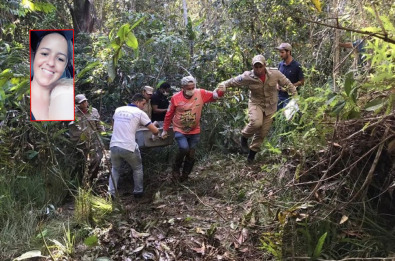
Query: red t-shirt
pixel 263 77
pixel 185 113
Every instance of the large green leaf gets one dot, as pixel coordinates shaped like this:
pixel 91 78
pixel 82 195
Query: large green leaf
pixel 138 22
pixel 375 104
pixel 131 41
pixel 116 43
pixel 348 83
pixel 331 97
pixel 123 32
pixel 87 69
pixel 338 107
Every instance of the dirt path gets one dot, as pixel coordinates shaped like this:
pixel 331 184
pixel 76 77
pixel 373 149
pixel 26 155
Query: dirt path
pixel 203 218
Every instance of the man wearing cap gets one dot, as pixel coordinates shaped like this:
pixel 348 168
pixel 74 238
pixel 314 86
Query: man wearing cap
pixel 184 113
pixel 291 69
pixel 160 103
pixel 262 104
pixel 147 93
pixel 85 131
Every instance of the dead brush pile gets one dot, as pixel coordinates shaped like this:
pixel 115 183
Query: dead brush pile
pixel 349 189
pixel 358 164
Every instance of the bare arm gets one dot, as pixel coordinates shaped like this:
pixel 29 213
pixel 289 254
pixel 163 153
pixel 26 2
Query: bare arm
pixel 299 83
pixel 153 129
pixel 346 45
pixel 283 81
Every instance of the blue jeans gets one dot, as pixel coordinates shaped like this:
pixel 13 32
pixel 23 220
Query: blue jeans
pixel 186 142
pixel 134 160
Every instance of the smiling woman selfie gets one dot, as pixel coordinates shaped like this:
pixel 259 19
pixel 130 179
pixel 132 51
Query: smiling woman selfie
pixel 51 61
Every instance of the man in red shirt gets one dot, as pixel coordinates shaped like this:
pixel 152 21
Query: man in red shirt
pixel 184 113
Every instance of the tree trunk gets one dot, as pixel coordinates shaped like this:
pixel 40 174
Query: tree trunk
pixel 84 16
pixel 189 30
pixel 336 50
pixel 184 6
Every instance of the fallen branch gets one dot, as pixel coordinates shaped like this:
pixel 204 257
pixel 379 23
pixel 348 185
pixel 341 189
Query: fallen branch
pixel 369 126
pixel 382 36
pixel 345 58
pixel 369 177
pixel 352 165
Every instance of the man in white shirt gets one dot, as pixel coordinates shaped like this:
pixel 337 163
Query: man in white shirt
pixel 123 144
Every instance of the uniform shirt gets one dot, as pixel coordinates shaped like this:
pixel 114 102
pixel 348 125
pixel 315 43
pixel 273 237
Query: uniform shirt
pixel 148 108
pixel 159 99
pixel 263 94
pixel 85 125
pixel 127 120
pixel 185 113
pixel 293 71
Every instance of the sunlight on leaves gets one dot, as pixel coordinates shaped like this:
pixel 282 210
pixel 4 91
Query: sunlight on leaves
pixel 317 4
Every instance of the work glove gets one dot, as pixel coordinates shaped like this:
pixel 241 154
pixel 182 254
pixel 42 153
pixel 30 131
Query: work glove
pixel 221 87
pixel 219 91
pixel 164 134
pixel 155 137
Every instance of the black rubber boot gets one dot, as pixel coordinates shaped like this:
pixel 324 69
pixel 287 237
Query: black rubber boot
pixel 251 156
pixel 244 144
pixel 188 165
pixel 178 164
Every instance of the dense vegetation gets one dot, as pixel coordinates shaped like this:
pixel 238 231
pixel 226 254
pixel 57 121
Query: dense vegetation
pixel 324 191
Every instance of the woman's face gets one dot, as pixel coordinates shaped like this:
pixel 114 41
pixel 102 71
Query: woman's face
pixel 50 60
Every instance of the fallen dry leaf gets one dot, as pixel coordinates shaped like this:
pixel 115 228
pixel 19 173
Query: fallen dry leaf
pixel 343 219
pixel 138 249
pixel 136 234
pixel 200 250
pixel 243 236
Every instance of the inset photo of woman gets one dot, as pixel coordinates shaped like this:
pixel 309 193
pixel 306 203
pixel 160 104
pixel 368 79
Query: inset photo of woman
pixel 52 75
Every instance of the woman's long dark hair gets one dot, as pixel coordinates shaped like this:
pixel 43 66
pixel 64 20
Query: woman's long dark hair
pixel 68 72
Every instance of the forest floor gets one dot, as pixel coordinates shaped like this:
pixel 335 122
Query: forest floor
pixel 212 216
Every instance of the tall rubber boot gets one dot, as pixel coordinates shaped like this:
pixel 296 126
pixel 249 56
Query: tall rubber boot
pixel 188 165
pixel 251 156
pixel 244 144
pixel 178 164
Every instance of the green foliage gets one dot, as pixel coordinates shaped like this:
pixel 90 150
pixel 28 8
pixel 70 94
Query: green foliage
pixel 271 242
pixel 38 6
pixel 124 36
pixel 64 249
pixel 320 243
pixel 91 241
pixel 90 209
pixel 149 44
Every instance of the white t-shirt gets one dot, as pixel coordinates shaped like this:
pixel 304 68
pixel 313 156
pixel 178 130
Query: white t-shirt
pixel 127 120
